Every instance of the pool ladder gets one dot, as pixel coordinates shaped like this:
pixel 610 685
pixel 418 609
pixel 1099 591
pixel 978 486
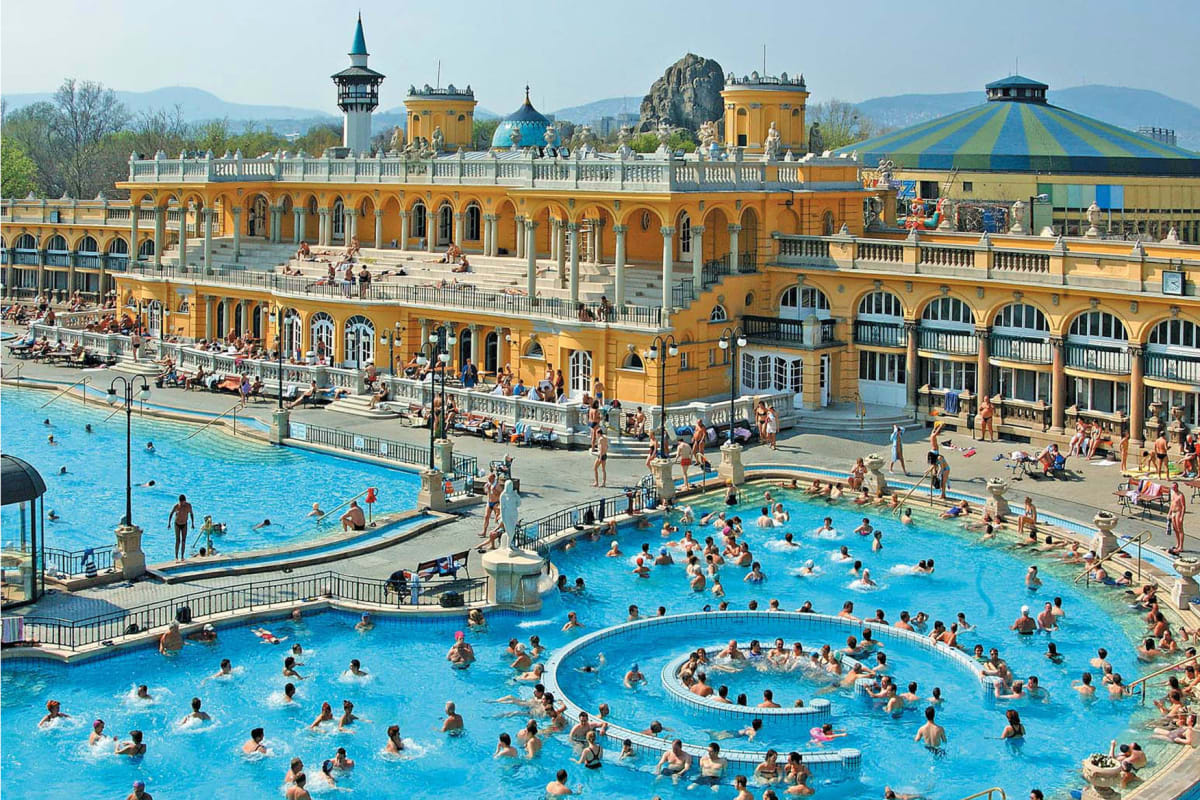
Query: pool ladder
pixel 204 427
pixel 994 793
pixel 1145 679
pixel 83 383
pixel 1138 540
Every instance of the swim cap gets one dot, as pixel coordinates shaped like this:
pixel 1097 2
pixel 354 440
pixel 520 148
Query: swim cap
pixel 615 542
pixel 208 628
pixel 1024 609
pixel 808 563
pixel 640 562
pixel 139 785
pixel 459 635
pixel 633 668
pixel 97 722
pixel 662 551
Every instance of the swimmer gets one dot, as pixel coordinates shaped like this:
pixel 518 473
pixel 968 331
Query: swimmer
pixel 356 669
pixel 316 511
pixel 53 515
pixel 504 748
pixel 225 671
pixel 461 654
pixel 453 721
pixel 62 470
pixel 266 636
pixel 143 693
pixel 591 668
pixel 87 428
pixel 932 734
pixel 289 669
pixel 614 550
pixel 826 528
pixel 289 693
pixel 906 517
pixel 147 484
pixel 53 712
pixel 133 747
pixel 196 712
pixel 340 761
pixel 50 440
pixel 572 622
pixel 326 715
pixel 365 623
pixel 264 524
pixel 633 677
pixel 149 447
pixel 348 717
pixel 675 761
pixel 809 568
pixel 297 790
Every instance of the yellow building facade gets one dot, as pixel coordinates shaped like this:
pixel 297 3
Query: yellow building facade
pixel 755 102
pixel 450 109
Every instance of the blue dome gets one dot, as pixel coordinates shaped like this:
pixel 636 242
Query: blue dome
pixel 529 122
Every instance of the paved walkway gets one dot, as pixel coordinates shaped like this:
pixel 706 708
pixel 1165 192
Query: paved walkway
pixel 554 479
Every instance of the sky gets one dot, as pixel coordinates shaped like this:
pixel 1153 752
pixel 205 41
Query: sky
pixel 263 52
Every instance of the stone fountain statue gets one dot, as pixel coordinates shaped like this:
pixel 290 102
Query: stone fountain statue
pixel 510 513
pixel 773 144
pixel 884 174
pixel 439 139
pixel 397 140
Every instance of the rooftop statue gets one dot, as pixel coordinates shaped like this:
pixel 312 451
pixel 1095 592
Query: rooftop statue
pixel 816 142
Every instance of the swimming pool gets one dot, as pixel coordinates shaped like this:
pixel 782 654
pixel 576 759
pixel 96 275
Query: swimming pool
pixel 240 482
pixel 411 681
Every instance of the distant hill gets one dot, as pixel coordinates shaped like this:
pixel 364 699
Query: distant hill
pixel 1118 105
pixel 196 104
pixel 588 113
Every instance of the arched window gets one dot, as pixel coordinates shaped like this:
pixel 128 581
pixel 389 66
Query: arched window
pixel 534 349
pixel 464 346
pixel 1022 316
pixel 798 302
pixel 827 223
pixel 445 224
pixel 880 305
pixel 118 247
pixel 56 244
pixel 948 312
pixel 633 362
pixel 293 334
pixel 685 234
pixel 321 335
pixel 418 220
pixel 146 250
pixel 88 245
pixel 718 314
pixel 473 226
pixel 339 219
pixel 1098 325
pixel 491 352
pixel 359 341
pixel 26 242
pixel 1175 334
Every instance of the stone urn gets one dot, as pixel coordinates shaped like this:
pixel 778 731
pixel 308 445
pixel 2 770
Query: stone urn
pixel 1102 773
pixel 1185 588
pixel 997 506
pixel 1105 541
pixel 130 561
pixel 875 479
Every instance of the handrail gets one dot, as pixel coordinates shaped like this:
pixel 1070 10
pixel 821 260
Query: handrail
pixel 338 508
pixel 1141 537
pixel 88 379
pixel 989 794
pixel 860 410
pixel 16 369
pixel 928 473
pixel 1142 680
pixel 214 419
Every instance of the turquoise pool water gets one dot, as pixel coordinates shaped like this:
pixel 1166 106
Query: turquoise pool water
pixel 411 681
pixel 239 482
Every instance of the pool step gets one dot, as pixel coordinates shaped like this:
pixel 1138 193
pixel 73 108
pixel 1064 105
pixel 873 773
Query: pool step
pixel 359 405
pixel 146 368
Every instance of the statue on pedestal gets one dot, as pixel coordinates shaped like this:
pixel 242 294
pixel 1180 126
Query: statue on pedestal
pixel 439 139
pixel 884 173
pixel 397 140
pixel 623 137
pixel 773 143
pixel 514 136
pixel 510 512
pixel 550 134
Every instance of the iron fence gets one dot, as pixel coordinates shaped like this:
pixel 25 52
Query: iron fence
pixel 89 561
pixel 115 625
pixel 537 532
pixel 464 466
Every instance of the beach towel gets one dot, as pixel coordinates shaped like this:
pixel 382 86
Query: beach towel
pixel 969 453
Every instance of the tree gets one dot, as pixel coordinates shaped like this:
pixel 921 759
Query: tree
pixel 85 117
pixel 19 173
pixel 318 138
pixel 680 139
pixel 841 123
pixel 32 129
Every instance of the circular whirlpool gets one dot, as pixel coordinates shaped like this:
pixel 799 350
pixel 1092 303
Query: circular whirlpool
pixel 590 671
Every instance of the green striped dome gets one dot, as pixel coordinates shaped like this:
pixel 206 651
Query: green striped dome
pixel 1016 130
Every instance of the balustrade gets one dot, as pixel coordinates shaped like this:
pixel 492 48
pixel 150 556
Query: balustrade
pixel 1112 360
pixel 1016 348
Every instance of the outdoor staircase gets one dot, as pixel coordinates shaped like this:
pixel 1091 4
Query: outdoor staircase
pixel 145 367
pixel 359 405
pixel 843 417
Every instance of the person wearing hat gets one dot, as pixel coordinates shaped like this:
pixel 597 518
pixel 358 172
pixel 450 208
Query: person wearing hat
pixel 664 558
pixel 207 634
pixel 365 624
pixel 1025 624
pixel 139 792
pixel 461 654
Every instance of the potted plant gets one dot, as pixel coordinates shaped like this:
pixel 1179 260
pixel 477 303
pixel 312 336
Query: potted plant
pixel 1101 770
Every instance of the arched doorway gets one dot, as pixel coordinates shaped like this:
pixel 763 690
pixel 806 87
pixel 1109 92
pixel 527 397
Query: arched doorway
pixel 464 346
pixel 445 225
pixel 359 341
pixel 293 334
pixel 491 352
pixel 256 223
pixel 154 319
pixel 581 372
pixel 321 336
pixel 339 220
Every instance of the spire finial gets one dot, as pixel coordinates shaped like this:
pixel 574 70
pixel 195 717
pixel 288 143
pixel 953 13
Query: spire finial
pixel 527 94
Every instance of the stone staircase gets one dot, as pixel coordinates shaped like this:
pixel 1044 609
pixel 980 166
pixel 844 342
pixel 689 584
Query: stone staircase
pixel 145 367
pixel 358 405
pixel 843 417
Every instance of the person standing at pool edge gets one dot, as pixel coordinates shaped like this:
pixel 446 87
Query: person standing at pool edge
pixel 181 514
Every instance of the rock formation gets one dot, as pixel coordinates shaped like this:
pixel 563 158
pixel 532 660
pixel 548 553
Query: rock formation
pixel 687 95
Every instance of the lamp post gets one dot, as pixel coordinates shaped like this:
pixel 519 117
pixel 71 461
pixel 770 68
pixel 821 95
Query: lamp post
pixel 655 353
pixel 127 388
pixel 732 339
pixel 1033 201
pixel 389 338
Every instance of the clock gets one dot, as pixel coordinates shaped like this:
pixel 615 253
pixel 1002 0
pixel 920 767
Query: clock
pixel 1172 282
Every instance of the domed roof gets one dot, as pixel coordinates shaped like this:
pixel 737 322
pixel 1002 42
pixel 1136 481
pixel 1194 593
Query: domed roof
pixel 1016 130
pixel 19 481
pixel 529 121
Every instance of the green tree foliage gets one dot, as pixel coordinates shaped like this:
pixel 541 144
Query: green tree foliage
pixel 648 142
pixel 841 123
pixel 19 173
pixel 482 131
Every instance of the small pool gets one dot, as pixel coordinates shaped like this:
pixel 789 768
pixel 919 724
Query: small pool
pixel 411 681
pixel 240 482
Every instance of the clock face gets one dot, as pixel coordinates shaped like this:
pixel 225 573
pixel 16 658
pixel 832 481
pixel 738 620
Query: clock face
pixel 1172 283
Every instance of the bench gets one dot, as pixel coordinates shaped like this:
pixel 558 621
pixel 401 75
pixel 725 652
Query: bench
pixel 444 566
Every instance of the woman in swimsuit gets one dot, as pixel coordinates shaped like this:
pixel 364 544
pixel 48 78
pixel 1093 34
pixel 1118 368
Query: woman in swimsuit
pixel 591 753
pixel 768 770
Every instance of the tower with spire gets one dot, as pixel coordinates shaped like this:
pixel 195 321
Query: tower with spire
pixel 358 94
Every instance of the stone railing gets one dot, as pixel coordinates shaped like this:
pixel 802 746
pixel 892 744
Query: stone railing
pixel 1022 414
pixel 606 172
pixel 1112 424
pixel 946 256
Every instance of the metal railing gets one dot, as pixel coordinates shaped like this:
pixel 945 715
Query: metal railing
pixel 773 329
pixel 880 334
pixel 1113 360
pixel 1144 680
pixel 206 425
pixel 1172 367
pixel 536 533
pixel 115 625
pixel 994 793
pixel 77 562
pixel 1138 540
pixel 83 396
pixel 1018 348
pixel 412 454
pixel 947 341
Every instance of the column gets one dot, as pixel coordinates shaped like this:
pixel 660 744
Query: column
pixel 351 224
pixel 208 225
pixel 160 222
pixel 237 231
pixel 182 238
pixel 697 259
pixel 555 230
pixel 71 259
pixel 668 252
pixel 458 228
pixel 530 260
pixel 599 248
pixel 299 218
pixel 1058 393
pixel 573 248
pixel 431 227
pixel 558 244
pixel 490 248
pixel 474 328
pixel 322 225
pixel 403 230
pixel 911 367
pixel 424 333
pixel 619 289
pixel 379 229
pixel 133 234
pixel 208 317
pixel 520 222
pixel 734 230
pixel 1137 395
pixel 983 378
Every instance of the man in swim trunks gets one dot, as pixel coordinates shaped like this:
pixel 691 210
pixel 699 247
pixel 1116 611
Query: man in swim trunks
pixel 1160 456
pixel 181 513
pixel 1024 624
pixel 453 722
pixel 683 456
pixel 675 761
pixel 1175 514
pixel 712 767
pixel 932 734
pixel 354 519
pixel 171 641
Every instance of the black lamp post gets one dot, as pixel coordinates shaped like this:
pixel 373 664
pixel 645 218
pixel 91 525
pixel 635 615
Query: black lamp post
pixel 113 399
pixel 389 338
pixel 732 339
pixel 656 354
